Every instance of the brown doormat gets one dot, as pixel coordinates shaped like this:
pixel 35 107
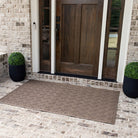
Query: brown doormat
pixel 76 101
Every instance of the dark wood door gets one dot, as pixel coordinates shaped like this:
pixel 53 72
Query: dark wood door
pixel 78 36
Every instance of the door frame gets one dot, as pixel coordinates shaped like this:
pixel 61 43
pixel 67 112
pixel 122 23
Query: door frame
pixel 77 64
pixel 123 46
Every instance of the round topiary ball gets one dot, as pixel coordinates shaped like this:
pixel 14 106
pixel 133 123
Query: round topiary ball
pixel 16 59
pixel 131 70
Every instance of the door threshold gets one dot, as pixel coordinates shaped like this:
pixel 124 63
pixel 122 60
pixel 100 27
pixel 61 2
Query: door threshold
pixel 77 76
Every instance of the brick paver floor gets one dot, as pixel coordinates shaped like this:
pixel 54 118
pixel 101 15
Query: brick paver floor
pixel 16 122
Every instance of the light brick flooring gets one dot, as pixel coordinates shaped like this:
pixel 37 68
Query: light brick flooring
pixel 25 123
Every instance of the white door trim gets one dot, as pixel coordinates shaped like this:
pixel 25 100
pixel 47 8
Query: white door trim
pixel 53 36
pixel 35 35
pixel 124 39
pixel 103 31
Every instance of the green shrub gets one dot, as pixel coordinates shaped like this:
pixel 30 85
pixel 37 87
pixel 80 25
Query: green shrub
pixel 16 58
pixel 131 70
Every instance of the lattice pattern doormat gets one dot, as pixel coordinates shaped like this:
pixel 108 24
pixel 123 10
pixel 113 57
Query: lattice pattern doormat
pixel 65 99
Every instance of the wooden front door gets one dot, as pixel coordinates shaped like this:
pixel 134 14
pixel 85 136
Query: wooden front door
pixel 78 36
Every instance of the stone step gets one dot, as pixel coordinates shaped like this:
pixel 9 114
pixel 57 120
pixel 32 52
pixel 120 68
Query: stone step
pixel 76 81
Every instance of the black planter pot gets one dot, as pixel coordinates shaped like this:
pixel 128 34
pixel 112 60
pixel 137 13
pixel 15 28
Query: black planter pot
pixel 17 73
pixel 130 87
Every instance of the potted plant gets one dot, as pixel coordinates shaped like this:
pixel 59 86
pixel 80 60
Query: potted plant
pixel 17 66
pixel 130 85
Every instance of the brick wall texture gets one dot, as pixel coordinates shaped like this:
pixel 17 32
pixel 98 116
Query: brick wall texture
pixel 133 39
pixel 15 30
pixel 3 64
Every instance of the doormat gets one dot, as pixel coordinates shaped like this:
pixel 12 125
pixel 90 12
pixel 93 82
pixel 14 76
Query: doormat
pixel 65 99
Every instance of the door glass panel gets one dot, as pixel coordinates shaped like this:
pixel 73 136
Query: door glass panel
pixel 113 33
pixel 45 43
pixel 116 3
pixel 44 22
pixel 46 3
pixel 112 47
pixel 46 17
pixel 45 32
pixel 46 55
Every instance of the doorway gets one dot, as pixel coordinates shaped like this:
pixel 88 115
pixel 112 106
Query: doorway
pixel 83 56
